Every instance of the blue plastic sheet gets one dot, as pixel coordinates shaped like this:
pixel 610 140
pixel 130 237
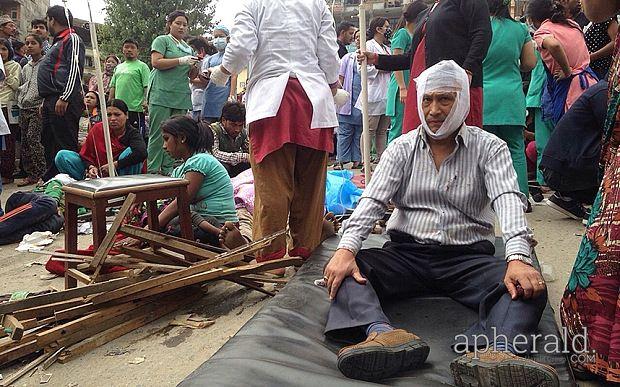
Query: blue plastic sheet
pixel 340 192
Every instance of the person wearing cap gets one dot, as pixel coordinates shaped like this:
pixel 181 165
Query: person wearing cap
pixel 216 96
pixel 8 28
pixel 447 181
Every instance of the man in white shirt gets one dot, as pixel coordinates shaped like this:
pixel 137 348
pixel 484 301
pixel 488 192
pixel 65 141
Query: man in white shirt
pixel 447 181
pixel 293 73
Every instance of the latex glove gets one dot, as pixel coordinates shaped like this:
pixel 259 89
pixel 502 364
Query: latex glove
pixel 188 60
pixel 218 77
pixel 341 97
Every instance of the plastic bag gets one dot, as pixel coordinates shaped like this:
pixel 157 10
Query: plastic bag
pixel 340 192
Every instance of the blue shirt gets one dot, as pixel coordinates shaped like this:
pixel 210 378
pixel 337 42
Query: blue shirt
pixel 215 96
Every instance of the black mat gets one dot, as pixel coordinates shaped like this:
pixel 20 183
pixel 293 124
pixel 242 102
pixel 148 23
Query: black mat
pixel 283 344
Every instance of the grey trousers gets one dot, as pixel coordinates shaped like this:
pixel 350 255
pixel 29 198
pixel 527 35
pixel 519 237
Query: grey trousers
pixel 470 275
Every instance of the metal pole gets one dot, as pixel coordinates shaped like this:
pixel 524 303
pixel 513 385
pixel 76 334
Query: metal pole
pixel 102 99
pixel 367 143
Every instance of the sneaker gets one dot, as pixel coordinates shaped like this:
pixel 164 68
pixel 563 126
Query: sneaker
pixel 568 207
pixel 383 355
pixel 501 369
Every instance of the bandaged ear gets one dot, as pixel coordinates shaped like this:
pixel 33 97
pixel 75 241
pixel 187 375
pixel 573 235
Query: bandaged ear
pixel 445 76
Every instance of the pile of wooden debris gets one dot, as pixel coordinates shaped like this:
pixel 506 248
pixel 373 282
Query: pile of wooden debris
pixel 158 280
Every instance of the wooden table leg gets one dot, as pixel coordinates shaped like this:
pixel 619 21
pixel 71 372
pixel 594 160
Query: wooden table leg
pixel 71 245
pixel 99 223
pixel 152 213
pixel 185 218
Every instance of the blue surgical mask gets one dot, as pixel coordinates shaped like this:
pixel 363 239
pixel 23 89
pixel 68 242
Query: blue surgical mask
pixel 220 44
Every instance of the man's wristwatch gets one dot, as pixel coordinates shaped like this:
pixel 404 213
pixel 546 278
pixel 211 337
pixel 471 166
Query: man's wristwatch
pixel 520 257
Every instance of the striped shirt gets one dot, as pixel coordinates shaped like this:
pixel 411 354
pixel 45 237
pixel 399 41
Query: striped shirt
pixel 455 205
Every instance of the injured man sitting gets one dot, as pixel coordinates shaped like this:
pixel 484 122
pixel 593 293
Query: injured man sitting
pixel 447 181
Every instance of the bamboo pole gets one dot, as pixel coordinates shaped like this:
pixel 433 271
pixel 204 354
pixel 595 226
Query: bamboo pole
pixel 367 143
pixel 102 99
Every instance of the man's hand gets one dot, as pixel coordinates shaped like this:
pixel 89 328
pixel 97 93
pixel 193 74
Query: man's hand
pixel 341 266
pixel 522 280
pixel 402 91
pixel 61 107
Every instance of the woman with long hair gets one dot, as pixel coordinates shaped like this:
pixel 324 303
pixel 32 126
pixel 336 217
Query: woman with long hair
pixel 590 306
pixel 399 81
pixel 210 188
pixel 511 52
pixel 8 90
pixel 174 64
pixel 379 34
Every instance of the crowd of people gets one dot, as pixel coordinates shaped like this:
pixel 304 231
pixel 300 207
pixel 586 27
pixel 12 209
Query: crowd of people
pixel 471 113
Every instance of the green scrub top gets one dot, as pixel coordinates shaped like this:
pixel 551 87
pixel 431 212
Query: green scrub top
pixel 215 196
pixel 170 88
pixel 537 82
pixel 401 40
pixel 504 100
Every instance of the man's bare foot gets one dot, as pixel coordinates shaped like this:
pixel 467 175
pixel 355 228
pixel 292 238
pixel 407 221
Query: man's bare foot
pixel 230 236
pixel 331 225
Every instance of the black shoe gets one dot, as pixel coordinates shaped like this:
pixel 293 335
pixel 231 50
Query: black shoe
pixel 568 207
pixel 536 194
pixel 528 210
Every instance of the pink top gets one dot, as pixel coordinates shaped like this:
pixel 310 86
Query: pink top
pixel 573 41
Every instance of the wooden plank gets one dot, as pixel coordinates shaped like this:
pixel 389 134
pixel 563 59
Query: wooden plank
pixel 116 274
pixel 47 310
pixel 210 276
pixel 252 285
pixel 12 325
pixel 78 275
pixel 77 311
pixel 172 243
pixel 262 278
pixel 117 331
pixel 71 327
pixel 22 349
pixel 223 259
pixel 23 371
pixel 106 245
pixel 154 257
pixel 178 298
pixel 68 294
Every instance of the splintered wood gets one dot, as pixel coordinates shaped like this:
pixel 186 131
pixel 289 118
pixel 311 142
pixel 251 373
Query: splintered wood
pixel 156 281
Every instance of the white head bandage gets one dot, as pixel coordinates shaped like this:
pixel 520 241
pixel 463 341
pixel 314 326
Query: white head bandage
pixel 445 76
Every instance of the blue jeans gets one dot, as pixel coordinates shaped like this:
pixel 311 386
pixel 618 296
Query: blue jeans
pixel 71 163
pixel 349 143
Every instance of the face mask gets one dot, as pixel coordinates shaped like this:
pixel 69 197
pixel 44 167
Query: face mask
pixel 220 44
pixel 388 33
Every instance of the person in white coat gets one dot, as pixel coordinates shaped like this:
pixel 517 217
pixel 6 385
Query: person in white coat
pixel 379 33
pixel 293 73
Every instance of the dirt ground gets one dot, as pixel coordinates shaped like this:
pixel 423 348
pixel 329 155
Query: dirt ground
pixel 171 353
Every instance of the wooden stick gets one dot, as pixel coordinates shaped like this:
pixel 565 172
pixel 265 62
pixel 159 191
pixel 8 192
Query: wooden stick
pixel 154 257
pixel 201 268
pixel 78 275
pixel 172 243
pixel 106 336
pixel 68 294
pixel 22 349
pixel 252 285
pixel 13 378
pixel 52 359
pixel 108 241
pixel 46 310
pixel 262 278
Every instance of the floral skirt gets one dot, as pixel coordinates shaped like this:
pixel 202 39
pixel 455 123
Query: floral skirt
pixel 590 308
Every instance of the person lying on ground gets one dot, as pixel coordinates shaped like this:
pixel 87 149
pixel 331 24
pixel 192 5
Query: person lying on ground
pixel 210 190
pixel 231 145
pixel 39 210
pixel 128 149
pixel 447 181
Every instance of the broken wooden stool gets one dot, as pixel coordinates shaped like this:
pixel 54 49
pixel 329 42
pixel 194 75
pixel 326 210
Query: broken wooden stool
pixel 97 195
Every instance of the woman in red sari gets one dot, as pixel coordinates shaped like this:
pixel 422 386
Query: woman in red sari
pixel 590 307
pixel 450 29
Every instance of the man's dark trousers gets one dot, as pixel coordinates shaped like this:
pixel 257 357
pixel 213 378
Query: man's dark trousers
pixel 59 132
pixel 27 212
pixel 470 275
